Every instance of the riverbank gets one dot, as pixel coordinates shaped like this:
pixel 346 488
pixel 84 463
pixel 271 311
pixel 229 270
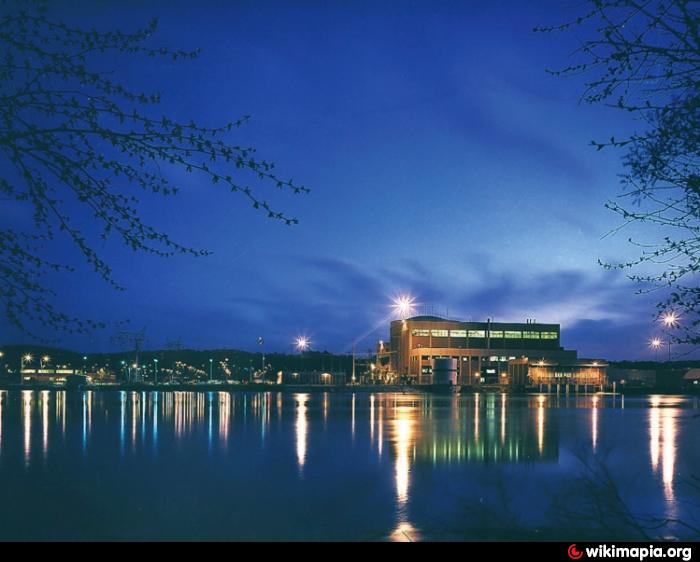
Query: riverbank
pixel 314 388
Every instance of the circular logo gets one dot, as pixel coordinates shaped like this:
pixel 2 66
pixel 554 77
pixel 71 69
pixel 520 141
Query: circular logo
pixel 574 554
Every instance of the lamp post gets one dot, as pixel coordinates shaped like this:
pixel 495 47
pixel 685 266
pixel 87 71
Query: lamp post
pixel 211 366
pixel 27 358
pixel 84 364
pixel 261 343
pixel 302 343
pixel 44 361
pixel 655 344
pixel 403 305
pixel 155 366
pixel 670 320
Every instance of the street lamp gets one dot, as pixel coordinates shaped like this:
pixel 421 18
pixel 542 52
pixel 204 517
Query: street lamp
pixel 655 344
pixel 302 343
pixel 261 343
pixel 670 320
pixel 403 305
pixel 44 360
pixel 156 370
pixel 27 358
pixel 211 366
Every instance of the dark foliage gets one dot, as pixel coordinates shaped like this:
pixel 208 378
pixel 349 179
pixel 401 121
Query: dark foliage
pixel 73 137
pixel 643 57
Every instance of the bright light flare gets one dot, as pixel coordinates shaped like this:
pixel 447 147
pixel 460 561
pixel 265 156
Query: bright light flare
pixel 670 319
pixel 403 305
pixel 655 343
pixel 302 343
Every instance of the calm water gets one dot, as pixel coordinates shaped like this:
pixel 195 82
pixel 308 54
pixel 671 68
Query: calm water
pixel 214 465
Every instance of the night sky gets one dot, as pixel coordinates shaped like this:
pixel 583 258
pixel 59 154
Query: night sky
pixel 444 163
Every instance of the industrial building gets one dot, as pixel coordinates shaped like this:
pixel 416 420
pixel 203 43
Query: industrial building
pixel 488 352
pixel 312 377
pixel 48 374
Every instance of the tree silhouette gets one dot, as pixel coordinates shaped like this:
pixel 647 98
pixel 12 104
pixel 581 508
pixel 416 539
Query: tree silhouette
pixel 643 57
pixel 73 137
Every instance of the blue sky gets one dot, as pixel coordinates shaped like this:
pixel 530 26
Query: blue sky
pixel 444 162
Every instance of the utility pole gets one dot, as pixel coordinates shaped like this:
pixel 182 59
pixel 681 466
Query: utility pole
pixel 129 341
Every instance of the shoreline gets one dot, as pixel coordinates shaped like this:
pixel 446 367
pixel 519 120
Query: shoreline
pixel 321 388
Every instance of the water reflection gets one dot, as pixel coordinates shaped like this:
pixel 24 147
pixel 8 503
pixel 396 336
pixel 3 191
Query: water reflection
pixel 662 439
pixel 540 423
pixel 45 422
pixel 403 417
pixel 594 423
pixel 133 396
pixel 154 431
pixel 2 403
pixel 27 424
pixel 61 411
pixel 301 428
pixel 405 532
pixel 403 443
pixel 503 418
pixel 224 413
pixel 408 436
pixel 470 428
pixel 352 418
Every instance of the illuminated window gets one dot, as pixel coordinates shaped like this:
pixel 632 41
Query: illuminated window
pixel 420 332
pixel 549 335
pixel 477 333
pixel 531 335
pixel 458 333
pixel 493 358
pixel 439 333
pixel 513 335
pixel 496 333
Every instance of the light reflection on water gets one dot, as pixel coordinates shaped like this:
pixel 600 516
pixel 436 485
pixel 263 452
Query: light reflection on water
pixel 418 438
pixel 663 428
pixel 301 428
